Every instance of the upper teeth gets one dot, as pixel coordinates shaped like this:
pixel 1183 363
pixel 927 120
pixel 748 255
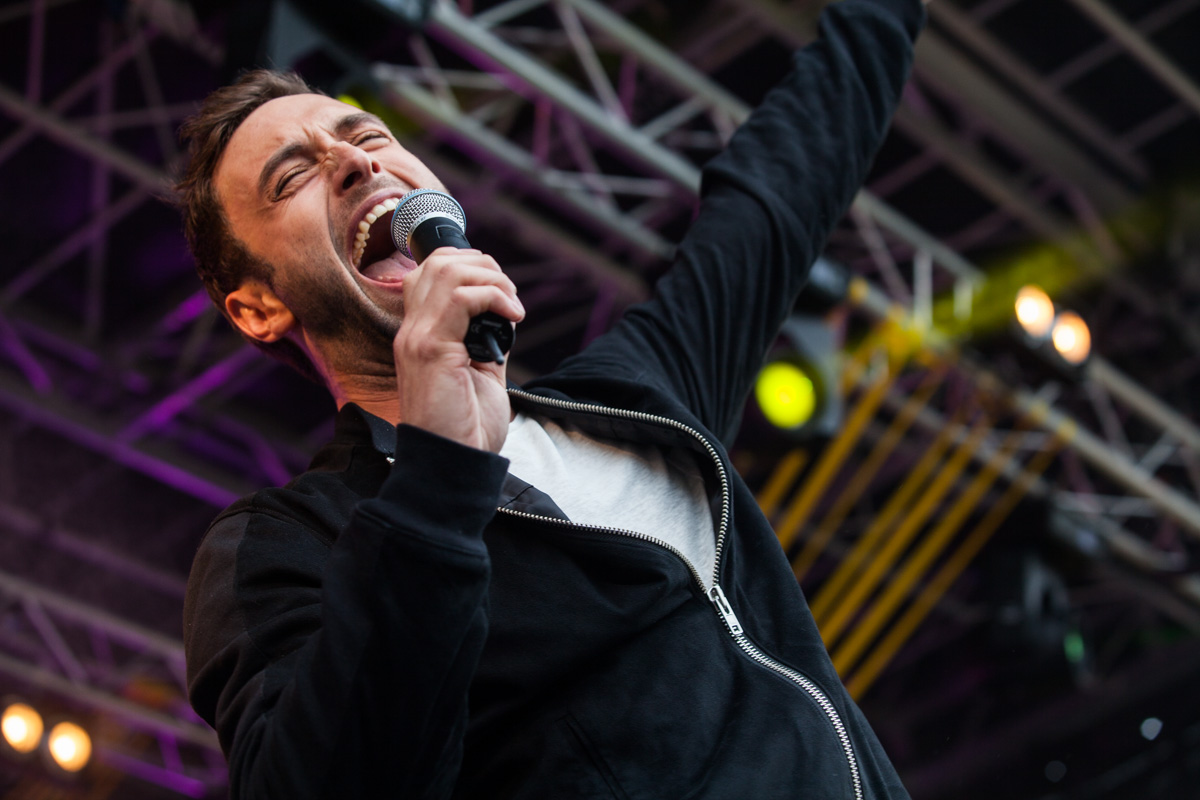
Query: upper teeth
pixel 364 227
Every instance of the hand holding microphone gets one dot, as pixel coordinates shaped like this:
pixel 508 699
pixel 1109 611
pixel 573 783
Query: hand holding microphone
pixel 427 219
pixel 464 400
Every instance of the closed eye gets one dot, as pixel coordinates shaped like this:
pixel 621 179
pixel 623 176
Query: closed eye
pixel 368 136
pixel 285 179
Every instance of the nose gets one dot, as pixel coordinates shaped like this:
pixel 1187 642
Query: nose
pixel 348 166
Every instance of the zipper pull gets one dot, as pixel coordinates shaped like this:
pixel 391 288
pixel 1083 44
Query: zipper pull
pixel 724 609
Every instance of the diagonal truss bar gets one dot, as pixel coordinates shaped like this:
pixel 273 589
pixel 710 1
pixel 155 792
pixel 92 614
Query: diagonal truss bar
pixel 146 649
pixel 474 39
pixel 449 26
pixel 497 149
pixel 75 138
pixel 164 465
pixel 104 218
pixel 1012 121
pixel 1143 50
pixel 189 394
pixel 22 522
pixel 75 92
pixel 1054 102
pixel 1094 449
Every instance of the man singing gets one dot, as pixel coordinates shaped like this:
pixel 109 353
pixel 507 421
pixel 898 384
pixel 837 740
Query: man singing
pixel 555 591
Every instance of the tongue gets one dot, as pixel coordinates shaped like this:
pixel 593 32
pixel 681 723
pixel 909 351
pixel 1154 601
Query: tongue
pixel 386 269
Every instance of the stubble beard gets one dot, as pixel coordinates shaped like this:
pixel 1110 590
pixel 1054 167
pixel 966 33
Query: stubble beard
pixel 353 334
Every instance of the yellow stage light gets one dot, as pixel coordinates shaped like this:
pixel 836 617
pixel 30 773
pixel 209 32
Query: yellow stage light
pixel 70 746
pixel 1035 311
pixel 1071 338
pixel 786 394
pixel 22 727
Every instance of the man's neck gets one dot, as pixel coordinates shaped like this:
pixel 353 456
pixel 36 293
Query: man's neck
pixel 357 377
pixel 374 394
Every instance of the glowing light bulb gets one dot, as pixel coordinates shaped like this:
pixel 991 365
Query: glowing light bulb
pixel 1071 337
pixel 786 395
pixel 1035 311
pixel 70 746
pixel 22 727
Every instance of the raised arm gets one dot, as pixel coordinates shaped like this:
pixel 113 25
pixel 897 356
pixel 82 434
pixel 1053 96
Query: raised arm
pixel 768 203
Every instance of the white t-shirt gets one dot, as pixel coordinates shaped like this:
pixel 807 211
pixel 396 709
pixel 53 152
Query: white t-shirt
pixel 652 490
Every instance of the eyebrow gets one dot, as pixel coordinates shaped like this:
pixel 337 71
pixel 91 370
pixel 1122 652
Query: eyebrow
pixel 341 129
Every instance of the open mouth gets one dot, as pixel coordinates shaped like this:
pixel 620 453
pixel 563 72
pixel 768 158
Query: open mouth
pixel 375 254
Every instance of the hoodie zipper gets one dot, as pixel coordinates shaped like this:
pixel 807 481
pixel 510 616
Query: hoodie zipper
pixel 715 595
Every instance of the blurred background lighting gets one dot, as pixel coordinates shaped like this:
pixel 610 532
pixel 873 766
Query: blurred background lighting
pixel 70 746
pixel 22 727
pixel 1071 338
pixel 1074 647
pixel 786 395
pixel 1151 728
pixel 1035 311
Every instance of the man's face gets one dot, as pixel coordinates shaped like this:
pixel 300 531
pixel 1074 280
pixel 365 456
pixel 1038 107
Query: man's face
pixel 297 180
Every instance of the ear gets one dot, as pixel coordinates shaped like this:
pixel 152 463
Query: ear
pixel 258 312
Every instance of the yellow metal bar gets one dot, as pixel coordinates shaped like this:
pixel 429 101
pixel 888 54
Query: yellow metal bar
pixel 866 472
pixel 781 479
pixel 857 363
pixel 832 589
pixel 900 633
pixel 832 458
pixel 901 537
pixel 919 562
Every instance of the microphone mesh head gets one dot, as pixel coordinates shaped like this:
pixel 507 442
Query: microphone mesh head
pixel 418 205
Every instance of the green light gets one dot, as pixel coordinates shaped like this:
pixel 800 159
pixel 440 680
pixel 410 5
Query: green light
pixel 786 395
pixel 1073 647
pixel 350 100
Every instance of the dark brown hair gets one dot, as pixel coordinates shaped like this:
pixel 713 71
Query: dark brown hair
pixel 222 261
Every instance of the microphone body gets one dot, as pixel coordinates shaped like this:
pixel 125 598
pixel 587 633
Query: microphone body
pixel 427 219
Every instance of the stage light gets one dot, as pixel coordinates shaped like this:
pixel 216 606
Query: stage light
pixel 786 394
pixel 1035 311
pixel 797 391
pixel 22 727
pixel 1074 647
pixel 1071 338
pixel 70 746
pixel 1150 728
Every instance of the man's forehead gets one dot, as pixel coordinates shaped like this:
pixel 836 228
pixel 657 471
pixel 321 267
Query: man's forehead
pixel 282 119
pixel 276 124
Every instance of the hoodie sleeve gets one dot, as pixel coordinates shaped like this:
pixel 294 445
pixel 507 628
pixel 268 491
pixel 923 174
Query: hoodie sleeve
pixel 342 669
pixel 768 204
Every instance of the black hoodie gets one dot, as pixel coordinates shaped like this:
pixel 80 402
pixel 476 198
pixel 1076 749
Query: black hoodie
pixel 380 630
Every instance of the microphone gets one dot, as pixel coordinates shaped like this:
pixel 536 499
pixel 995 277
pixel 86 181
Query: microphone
pixel 427 219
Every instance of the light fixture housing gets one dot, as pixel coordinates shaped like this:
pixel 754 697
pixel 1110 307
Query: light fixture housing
pixel 797 391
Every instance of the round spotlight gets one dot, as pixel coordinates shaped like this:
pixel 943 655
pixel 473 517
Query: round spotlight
pixel 70 746
pixel 1071 338
pixel 22 727
pixel 786 394
pixel 1035 311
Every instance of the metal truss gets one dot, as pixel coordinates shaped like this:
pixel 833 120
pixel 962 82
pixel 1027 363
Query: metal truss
pixel 514 56
pixel 102 664
pixel 652 111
